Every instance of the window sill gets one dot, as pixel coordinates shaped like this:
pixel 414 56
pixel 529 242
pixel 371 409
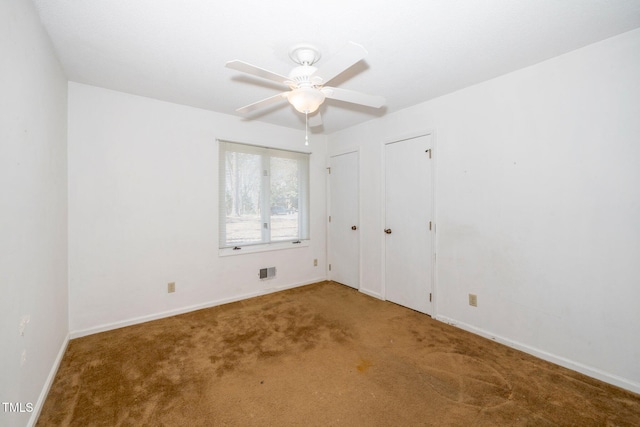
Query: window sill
pixel 267 247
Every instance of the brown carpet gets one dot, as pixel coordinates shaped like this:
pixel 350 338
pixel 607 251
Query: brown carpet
pixel 323 355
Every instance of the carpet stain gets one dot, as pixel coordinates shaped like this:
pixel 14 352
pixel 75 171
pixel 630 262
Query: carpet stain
pixel 364 365
pixel 283 327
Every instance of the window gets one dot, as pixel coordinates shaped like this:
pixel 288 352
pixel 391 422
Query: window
pixel 264 195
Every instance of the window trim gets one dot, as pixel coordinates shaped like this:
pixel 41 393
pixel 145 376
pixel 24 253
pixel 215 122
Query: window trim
pixel 263 247
pixel 305 216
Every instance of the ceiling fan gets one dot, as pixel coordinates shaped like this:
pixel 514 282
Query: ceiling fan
pixel 307 83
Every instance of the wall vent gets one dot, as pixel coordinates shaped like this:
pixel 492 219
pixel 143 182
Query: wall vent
pixel 267 273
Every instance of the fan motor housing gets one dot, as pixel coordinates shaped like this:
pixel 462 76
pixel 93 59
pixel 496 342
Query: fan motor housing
pixel 302 73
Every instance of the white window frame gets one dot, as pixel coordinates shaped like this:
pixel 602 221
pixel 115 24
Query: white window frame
pixel 303 198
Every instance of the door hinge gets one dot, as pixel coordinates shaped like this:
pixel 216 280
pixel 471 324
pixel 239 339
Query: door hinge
pixel 329 218
pixel 430 297
pixel 329 170
pixel 428 151
pixel 329 267
pixel 429 225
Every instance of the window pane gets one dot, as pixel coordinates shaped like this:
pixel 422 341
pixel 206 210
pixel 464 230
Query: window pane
pixel 284 199
pixel 264 195
pixel 242 198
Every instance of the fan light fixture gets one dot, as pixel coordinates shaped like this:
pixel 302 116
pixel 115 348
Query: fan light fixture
pixel 306 99
pixel 307 83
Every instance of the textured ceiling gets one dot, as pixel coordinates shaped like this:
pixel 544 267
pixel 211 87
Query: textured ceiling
pixel 176 50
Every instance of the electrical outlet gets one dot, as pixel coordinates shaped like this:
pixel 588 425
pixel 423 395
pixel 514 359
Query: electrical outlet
pixel 171 287
pixel 315 262
pixel 473 300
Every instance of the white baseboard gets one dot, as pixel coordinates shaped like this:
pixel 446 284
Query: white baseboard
pixel 48 383
pixel 182 310
pixel 372 294
pixel 558 360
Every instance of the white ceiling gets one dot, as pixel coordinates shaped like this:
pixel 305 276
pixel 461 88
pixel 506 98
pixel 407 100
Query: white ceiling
pixel 418 49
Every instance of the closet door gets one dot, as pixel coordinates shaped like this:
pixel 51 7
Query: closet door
pixel 408 223
pixel 344 233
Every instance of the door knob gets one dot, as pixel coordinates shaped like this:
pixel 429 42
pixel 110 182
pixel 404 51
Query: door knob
pixel 387 230
pixel 353 227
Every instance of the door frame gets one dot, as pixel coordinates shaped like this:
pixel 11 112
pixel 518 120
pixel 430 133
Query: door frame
pixel 342 152
pixel 434 210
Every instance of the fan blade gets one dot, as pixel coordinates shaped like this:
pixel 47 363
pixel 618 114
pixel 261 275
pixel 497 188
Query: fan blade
pixel 345 58
pixel 256 71
pixel 315 120
pixel 353 97
pixel 263 103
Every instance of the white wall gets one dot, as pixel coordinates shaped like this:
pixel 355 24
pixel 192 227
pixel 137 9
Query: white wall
pixel 33 210
pixel 538 206
pixel 143 210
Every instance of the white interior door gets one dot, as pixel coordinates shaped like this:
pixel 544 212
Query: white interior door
pixel 344 235
pixel 408 227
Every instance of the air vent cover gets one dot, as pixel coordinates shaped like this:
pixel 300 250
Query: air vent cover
pixel 267 273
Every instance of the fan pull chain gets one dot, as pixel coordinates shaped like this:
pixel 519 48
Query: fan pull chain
pixel 306 128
